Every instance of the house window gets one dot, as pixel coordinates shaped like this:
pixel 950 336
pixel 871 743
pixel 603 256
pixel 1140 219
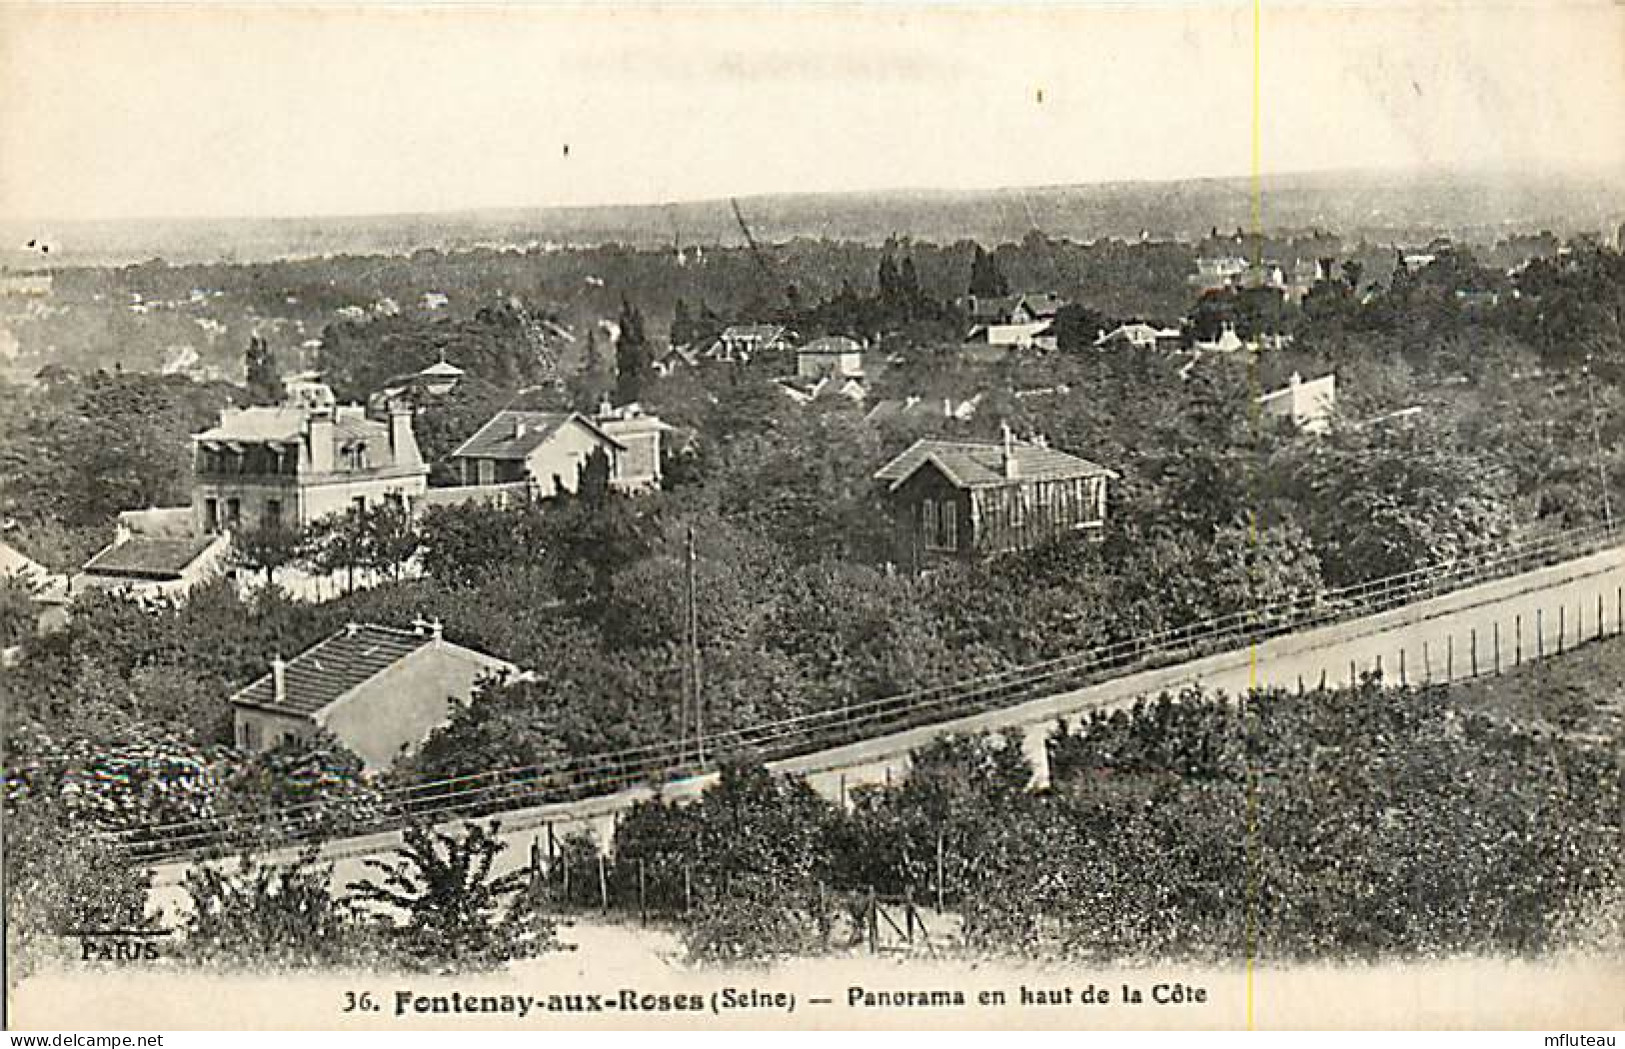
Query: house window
pixel 251 736
pixel 939 524
pixel 355 456
pixel 948 525
pixel 273 513
pixel 211 515
pixel 487 471
pixel 359 504
pixel 234 512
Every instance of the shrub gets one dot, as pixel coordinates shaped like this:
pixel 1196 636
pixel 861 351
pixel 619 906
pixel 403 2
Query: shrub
pixel 456 912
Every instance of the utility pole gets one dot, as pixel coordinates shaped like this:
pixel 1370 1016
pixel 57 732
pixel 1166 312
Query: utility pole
pixel 1596 436
pixel 694 653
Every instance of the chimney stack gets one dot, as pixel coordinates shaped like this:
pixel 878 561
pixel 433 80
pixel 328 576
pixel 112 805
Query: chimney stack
pixel 319 434
pixel 279 678
pixel 1012 469
pixel 403 443
pixel 436 631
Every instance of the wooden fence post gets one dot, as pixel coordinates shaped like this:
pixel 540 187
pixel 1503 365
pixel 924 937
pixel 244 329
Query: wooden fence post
pixel 1496 628
pixel 941 869
pixel 1517 639
pixel 1472 650
pixel 1540 631
pixel 1427 664
pixel 643 896
pixel 1599 615
pixel 1401 666
pixel 1562 616
pixel 603 883
pixel 688 888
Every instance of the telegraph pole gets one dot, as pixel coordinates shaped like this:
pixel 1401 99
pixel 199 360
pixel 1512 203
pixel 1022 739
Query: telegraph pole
pixel 694 653
pixel 1596 436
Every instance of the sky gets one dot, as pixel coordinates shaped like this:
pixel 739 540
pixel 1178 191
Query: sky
pixel 257 111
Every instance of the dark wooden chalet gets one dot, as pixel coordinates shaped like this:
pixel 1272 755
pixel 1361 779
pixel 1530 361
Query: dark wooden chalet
pixel 973 499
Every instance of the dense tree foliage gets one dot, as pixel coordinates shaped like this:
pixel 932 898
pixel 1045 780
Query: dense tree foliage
pixel 1473 405
pixel 1389 823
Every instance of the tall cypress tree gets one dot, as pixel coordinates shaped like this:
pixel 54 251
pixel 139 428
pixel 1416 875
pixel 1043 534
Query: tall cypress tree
pixel 985 278
pixel 633 360
pixel 682 325
pixel 908 279
pixel 264 385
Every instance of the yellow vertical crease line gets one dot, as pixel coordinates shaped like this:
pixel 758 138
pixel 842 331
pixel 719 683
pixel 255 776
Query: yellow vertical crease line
pixel 1252 651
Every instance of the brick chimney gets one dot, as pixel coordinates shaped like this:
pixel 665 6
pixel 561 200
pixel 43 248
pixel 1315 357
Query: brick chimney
pixel 1012 469
pixel 279 678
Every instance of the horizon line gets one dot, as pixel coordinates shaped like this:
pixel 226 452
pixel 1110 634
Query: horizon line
pixel 1419 174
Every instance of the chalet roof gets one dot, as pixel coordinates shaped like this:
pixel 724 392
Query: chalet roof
pixel 143 557
pixel 515 434
pixel 443 370
pixel 975 464
pixel 321 674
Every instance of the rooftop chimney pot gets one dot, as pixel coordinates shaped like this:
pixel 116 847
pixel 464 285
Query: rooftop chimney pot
pixel 279 677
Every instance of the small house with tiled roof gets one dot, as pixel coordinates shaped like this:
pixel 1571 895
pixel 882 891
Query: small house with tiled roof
pixel 379 690
pixel 153 565
pixel 968 499
pixel 546 450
